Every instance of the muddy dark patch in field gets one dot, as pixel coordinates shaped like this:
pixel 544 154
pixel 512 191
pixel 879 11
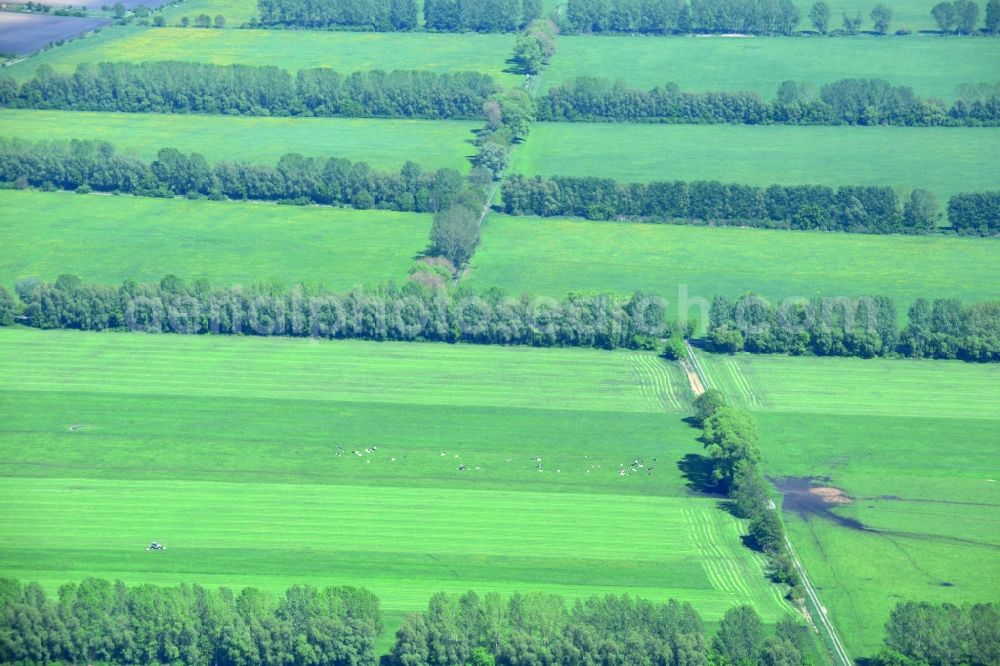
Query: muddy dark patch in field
pixel 811 496
pixel 946 584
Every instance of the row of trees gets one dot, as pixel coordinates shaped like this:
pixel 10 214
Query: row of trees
pixel 865 327
pixel 381 15
pixel 464 630
pixel 845 102
pixel 857 209
pixel 732 443
pixel 97 621
pixel 95 165
pixel 412 312
pixel 480 15
pixel 962 16
pixel 187 87
pixel 819 16
pixel 924 634
pixel 772 17
pixel 975 213
pixel 401 15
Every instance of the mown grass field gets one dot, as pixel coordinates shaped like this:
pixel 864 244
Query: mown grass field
pixel 943 160
pixel 292 49
pixel 108 239
pixel 225 449
pixel 915 446
pixel 554 256
pixel 383 143
pixel 932 66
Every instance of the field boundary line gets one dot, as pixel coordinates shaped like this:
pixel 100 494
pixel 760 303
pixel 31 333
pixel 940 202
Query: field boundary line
pixel 825 626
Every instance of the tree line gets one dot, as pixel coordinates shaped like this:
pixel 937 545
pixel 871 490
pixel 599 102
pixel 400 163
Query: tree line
pixel 672 17
pixel 866 327
pixel 975 214
pixel 379 15
pixel 188 87
pixel 469 630
pixel 96 165
pixel 845 102
pixel 99 621
pixel 924 634
pixel 851 208
pixel 732 443
pixel 411 312
pixel 401 15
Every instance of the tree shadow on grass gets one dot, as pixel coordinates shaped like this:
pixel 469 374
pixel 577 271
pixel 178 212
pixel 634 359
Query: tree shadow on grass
pixel 697 472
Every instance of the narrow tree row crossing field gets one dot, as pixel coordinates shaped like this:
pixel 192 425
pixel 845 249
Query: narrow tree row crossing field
pixel 913 447
pixel 408 469
pixel 384 143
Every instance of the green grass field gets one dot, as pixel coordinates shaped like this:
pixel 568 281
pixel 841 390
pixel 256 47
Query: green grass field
pixel 225 449
pixel 914 443
pixel 236 12
pixel 554 256
pixel 384 143
pixel 942 160
pixel 108 239
pixel 292 49
pixel 932 66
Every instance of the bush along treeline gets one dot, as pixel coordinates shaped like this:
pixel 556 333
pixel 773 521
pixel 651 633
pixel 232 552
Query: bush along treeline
pixel 186 87
pixel 97 621
pixel 844 102
pixel 732 443
pixel 400 15
pixel 95 165
pixel 858 209
pixel 466 630
pixel 412 312
pixel 865 327
pixel 924 634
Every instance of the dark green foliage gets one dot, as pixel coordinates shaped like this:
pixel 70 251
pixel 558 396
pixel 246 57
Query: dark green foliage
pixel 730 437
pixel 740 636
pixel 539 629
pixel 881 17
pixel 185 87
pixel 939 635
pixel 679 17
pixel 477 15
pixel 410 313
pixel 294 179
pixel 993 16
pixel 381 15
pixel 845 102
pixel 99 621
pixel 858 209
pixel 455 232
pixel 977 213
pixel 819 14
pixel 864 327
pixel 8 307
pixel 707 403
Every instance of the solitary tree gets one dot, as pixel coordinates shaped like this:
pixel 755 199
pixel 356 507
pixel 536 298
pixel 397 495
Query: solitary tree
pixel 203 21
pixel 159 21
pixel 7 307
pixel 185 21
pixel 944 16
pixel 993 16
pixel 819 14
pixel 119 10
pixel 220 21
pixel 920 212
pixel 881 17
pixel 455 233
pixel 966 16
pixel 852 24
